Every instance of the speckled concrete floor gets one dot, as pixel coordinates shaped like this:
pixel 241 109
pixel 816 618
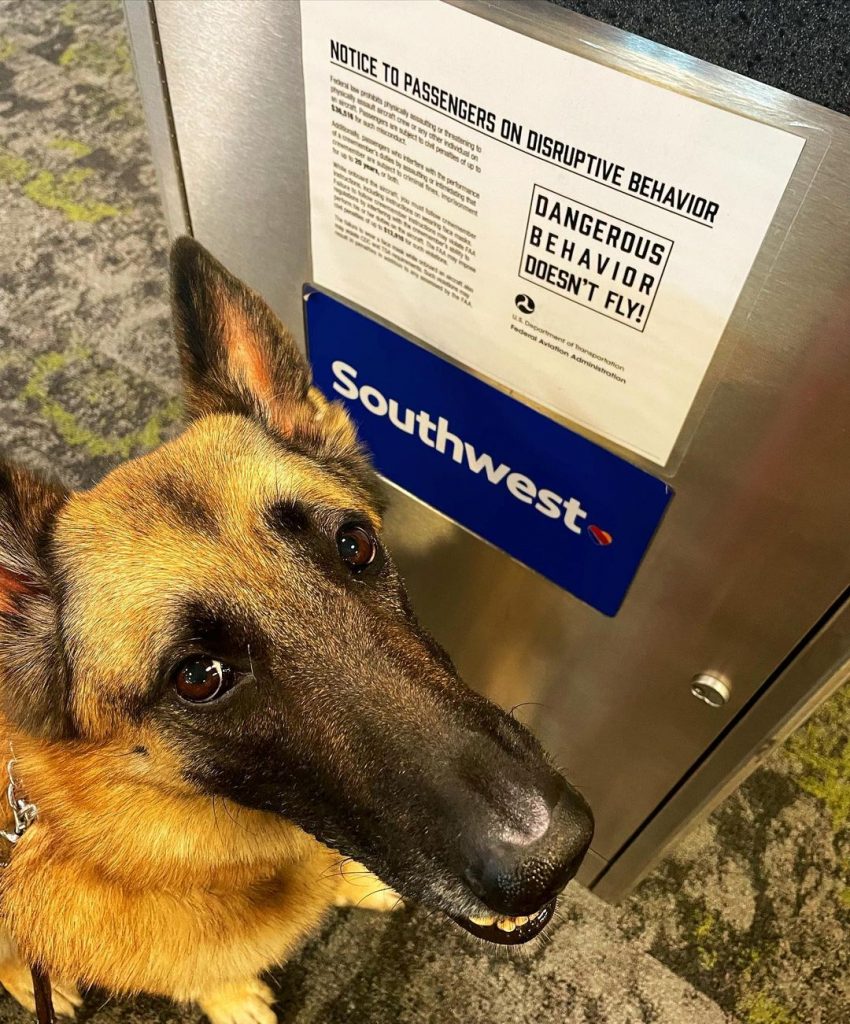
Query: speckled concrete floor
pixel 749 919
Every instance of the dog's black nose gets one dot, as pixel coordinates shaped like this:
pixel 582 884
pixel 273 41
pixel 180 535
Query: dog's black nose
pixel 518 858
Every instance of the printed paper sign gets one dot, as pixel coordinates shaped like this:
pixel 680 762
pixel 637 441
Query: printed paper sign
pixel 578 514
pixel 619 283
pixel 572 232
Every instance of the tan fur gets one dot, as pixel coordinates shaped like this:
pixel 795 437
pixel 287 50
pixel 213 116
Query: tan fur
pixel 236 470
pixel 247 362
pixel 133 878
pixel 124 849
pixel 248 1002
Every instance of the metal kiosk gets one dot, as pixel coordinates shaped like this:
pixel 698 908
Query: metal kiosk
pixel 736 622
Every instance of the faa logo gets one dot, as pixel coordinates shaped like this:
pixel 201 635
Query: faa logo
pixel 524 303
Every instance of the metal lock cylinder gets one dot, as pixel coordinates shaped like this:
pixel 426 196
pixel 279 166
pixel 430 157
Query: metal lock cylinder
pixel 712 690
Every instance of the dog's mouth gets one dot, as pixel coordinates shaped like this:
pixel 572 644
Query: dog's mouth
pixel 508 931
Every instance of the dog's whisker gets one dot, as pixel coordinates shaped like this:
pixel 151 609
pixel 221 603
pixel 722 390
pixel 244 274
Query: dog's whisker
pixel 528 703
pixel 235 821
pixel 430 912
pixel 333 869
pixel 339 869
pixel 369 895
pixel 104 1004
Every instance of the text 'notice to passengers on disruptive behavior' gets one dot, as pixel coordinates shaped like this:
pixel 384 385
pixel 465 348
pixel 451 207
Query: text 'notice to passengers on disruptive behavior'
pixel 572 232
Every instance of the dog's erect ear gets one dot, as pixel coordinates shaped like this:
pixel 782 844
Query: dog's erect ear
pixel 33 678
pixel 237 357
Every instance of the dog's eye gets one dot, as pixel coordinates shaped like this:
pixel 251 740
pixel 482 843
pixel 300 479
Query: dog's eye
pixel 357 547
pixel 202 679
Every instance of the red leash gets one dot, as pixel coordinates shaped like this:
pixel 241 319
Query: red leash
pixel 43 996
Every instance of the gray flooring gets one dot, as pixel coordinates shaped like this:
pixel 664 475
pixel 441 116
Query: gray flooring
pixel 799 46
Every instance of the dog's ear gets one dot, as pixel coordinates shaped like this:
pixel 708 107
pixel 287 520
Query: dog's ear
pixel 237 357
pixel 33 677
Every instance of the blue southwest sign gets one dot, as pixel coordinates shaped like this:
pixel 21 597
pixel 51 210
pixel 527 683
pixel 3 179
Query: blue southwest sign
pixel 573 511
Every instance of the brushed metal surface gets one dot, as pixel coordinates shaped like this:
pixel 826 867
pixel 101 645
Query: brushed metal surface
pixel 592 867
pixel 754 548
pixel 816 672
pixel 144 41
pixel 237 97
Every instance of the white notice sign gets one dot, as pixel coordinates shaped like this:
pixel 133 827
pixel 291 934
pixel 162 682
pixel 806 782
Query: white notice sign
pixel 575 233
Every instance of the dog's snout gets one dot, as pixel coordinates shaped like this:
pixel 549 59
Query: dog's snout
pixel 530 818
pixel 521 857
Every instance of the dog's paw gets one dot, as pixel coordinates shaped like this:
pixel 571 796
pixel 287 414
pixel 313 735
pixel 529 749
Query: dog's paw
pixel 358 887
pixel 16 978
pixel 248 1003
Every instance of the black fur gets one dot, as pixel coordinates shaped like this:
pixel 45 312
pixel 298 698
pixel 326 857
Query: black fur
pixel 189 508
pixel 203 295
pixel 205 299
pixel 34 693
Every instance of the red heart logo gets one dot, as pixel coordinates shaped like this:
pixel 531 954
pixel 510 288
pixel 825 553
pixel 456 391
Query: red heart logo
pixel 602 537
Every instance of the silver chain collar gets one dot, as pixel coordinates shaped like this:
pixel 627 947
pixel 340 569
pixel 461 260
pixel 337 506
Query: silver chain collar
pixel 24 813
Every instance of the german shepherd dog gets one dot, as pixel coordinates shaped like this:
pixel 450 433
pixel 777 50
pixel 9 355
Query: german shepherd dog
pixel 224 710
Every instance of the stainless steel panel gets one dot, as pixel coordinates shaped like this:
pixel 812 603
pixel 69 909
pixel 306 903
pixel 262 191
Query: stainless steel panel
pixel 753 550
pixel 141 26
pixel 592 867
pixel 237 96
pixel 812 675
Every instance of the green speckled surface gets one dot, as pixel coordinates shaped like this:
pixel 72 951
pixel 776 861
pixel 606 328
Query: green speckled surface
pixel 753 907
pixel 748 920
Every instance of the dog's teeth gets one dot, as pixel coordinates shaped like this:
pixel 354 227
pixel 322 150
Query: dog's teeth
pixel 519 921
pixel 483 922
pixel 506 925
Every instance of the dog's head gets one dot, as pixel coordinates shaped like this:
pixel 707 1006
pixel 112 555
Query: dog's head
pixel 230 591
